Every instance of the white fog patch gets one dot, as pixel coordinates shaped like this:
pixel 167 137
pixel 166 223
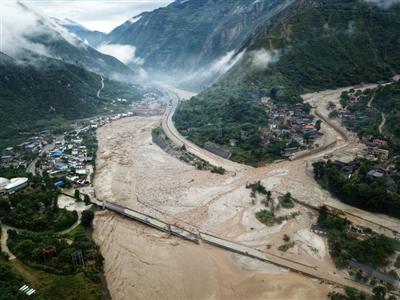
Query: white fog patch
pixel 23 29
pixel 18 24
pixel 211 72
pixel 261 59
pixel 125 53
pixel 135 19
pixel 217 68
pixel 223 64
pixel 383 3
pixel 70 37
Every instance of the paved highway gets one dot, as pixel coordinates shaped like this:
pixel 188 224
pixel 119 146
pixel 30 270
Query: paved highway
pixel 170 130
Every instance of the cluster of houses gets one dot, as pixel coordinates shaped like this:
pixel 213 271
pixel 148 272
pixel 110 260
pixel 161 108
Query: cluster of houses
pixel 14 157
pixel 36 143
pixel 285 123
pixel 10 159
pixel 69 156
pixel 376 149
pixel 290 123
pixel 149 106
pixel 379 170
pixel 64 155
pixel 349 118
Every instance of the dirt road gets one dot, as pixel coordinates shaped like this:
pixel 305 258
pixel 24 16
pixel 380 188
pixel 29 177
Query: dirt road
pixel 4 238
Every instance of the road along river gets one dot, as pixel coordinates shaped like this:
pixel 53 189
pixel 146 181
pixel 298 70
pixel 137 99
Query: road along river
pixel 134 172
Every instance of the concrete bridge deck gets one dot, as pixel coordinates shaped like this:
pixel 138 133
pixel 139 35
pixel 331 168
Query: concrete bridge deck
pixel 200 236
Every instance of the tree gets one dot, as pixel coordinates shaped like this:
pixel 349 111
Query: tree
pixel 379 293
pixel 77 195
pixel 286 200
pixel 269 196
pixel 24 249
pixel 307 138
pixel 87 218
pixel 318 125
pixel 4 205
pixel 86 199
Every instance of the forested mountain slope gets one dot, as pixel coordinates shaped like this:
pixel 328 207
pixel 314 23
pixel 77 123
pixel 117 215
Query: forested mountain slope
pixel 316 45
pixel 50 92
pixel 41 36
pixel 187 35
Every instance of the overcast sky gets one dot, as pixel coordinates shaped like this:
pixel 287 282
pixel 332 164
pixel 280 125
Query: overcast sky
pixel 95 14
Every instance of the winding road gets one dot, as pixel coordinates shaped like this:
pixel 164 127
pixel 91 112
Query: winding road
pixel 4 235
pixel 102 86
pixel 383 116
pixel 383 122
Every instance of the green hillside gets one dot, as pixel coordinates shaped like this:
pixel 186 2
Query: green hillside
pixel 313 46
pixel 33 97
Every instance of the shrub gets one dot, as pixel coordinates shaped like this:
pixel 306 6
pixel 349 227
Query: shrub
pixel 87 218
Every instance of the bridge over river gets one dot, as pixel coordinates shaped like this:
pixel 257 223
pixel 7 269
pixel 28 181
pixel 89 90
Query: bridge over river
pixel 197 236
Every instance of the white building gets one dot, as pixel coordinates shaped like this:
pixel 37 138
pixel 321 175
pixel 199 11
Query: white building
pixel 16 184
pixel 3 183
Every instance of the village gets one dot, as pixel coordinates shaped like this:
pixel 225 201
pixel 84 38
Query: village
pixel 69 156
pixel 290 123
pixel 376 150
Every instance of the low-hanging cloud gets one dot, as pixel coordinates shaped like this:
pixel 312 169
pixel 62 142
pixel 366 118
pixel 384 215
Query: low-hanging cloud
pixel 125 53
pixel 23 27
pixel 383 3
pixel 224 63
pixel 216 69
pixel 16 31
pixel 261 58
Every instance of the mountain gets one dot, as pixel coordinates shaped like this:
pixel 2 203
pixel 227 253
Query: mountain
pixel 48 92
pixel 34 34
pixel 92 38
pixel 309 46
pixel 47 76
pixel 198 37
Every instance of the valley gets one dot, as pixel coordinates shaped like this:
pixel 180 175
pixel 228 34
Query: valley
pixel 136 173
pixel 200 149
